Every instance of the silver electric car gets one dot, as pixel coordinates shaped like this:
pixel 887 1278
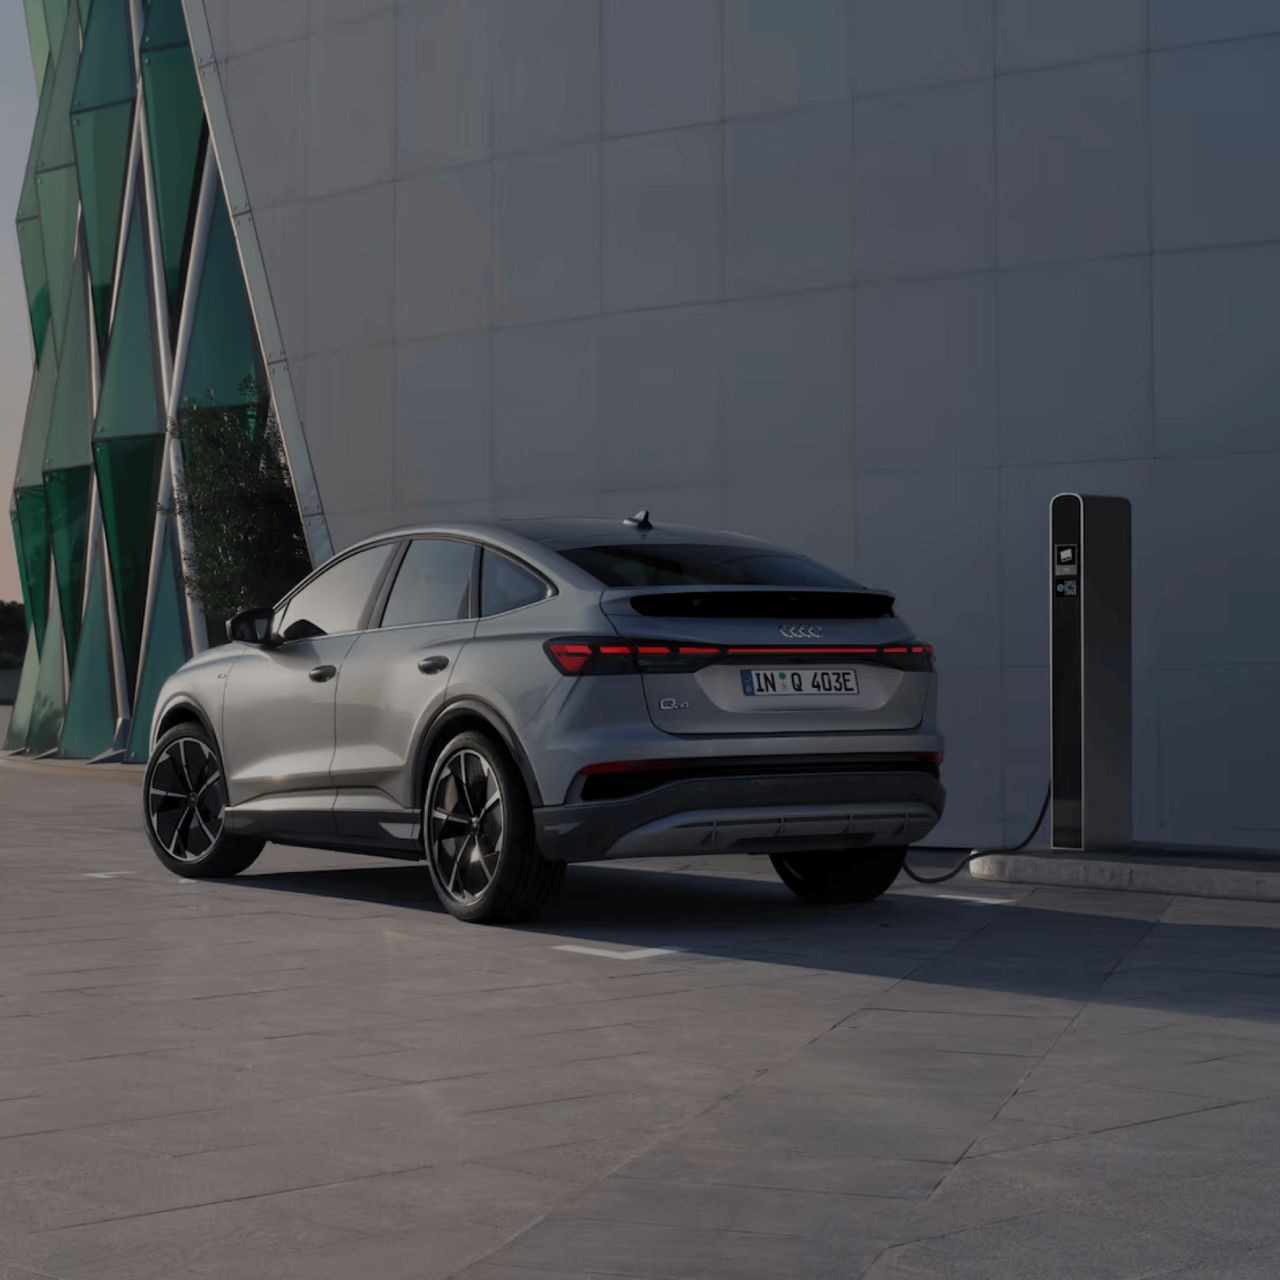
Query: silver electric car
pixel 500 700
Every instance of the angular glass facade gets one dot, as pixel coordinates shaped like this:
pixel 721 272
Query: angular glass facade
pixel 121 207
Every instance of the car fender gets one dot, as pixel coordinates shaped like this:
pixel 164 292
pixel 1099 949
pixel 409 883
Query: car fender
pixel 191 709
pixel 470 707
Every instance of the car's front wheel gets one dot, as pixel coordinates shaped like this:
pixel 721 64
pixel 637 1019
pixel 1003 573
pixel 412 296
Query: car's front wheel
pixel 184 800
pixel 478 831
pixel 839 877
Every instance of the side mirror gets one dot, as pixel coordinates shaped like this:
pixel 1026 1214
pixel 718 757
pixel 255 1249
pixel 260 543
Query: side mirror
pixel 251 626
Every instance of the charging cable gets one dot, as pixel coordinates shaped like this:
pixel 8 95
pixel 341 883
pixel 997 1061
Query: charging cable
pixel 982 853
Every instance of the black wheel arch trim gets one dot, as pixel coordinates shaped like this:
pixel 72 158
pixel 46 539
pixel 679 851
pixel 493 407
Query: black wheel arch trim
pixel 175 713
pixel 471 708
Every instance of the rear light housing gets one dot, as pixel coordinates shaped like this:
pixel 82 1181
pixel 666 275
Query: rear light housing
pixel 598 656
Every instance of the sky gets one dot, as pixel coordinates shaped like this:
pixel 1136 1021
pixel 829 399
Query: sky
pixel 17 119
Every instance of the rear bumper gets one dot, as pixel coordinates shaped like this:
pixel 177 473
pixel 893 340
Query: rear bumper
pixel 796 813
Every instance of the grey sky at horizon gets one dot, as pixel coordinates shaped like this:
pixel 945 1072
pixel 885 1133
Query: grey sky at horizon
pixel 17 119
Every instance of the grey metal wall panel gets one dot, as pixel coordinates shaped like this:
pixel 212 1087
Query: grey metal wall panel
pixel 858 292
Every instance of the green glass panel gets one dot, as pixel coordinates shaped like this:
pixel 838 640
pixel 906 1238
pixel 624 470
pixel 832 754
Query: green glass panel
pixel 102 156
pixel 176 133
pixel 35 434
pixel 90 725
pixel 67 493
pixel 128 484
pixel 28 204
pixel 101 121
pixel 224 346
pixel 72 423
pixel 56 148
pixel 33 547
pixel 31 252
pixel 49 703
pixel 37 38
pixel 130 404
pixel 166 652
pixel 59 202
pixel 55 15
pixel 166 25
pixel 106 60
pixel 20 719
pixel 24 578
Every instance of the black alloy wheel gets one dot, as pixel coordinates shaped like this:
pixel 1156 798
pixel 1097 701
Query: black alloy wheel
pixel 184 803
pixel 478 835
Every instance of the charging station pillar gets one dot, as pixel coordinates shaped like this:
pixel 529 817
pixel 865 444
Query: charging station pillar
pixel 1091 664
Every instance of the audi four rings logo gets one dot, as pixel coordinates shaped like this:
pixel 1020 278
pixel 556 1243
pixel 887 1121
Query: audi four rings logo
pixel 806 631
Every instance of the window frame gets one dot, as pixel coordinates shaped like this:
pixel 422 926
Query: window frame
pixel 366 614
pixel 550 588
pixel 383 598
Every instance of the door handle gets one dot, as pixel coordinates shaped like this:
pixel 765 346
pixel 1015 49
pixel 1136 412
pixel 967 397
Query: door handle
pixel 429 666
pixel 321 674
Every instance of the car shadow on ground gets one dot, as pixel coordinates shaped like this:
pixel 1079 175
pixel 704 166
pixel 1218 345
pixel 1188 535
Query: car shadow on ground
pixel 1067 944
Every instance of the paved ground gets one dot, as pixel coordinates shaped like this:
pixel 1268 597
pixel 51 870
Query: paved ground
pixel 313 1072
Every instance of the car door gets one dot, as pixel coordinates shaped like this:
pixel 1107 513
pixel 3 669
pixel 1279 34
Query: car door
pixel 278 711
pixel 395 680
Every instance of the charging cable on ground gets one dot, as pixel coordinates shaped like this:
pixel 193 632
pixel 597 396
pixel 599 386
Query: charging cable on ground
pixel 982 853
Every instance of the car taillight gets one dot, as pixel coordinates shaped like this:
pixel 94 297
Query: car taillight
pixel 589 656
pixel 592 656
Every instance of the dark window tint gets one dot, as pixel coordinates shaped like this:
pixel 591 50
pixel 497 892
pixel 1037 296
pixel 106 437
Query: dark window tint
pixel 433 583
pixel 505 585
pixel 335 601
pixel 702 565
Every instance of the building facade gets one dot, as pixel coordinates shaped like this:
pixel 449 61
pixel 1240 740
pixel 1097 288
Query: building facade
pixel 875 278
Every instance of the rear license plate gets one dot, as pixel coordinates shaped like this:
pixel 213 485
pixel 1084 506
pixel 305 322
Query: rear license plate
pixel 775 682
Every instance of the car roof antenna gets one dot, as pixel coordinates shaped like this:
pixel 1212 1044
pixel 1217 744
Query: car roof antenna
pixel 640 520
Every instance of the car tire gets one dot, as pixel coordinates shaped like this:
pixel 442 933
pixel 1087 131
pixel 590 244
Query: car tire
pixel 857 876
pixel 184 800
pixel 478 835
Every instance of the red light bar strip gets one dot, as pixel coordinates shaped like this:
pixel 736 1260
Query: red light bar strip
pixel 807 648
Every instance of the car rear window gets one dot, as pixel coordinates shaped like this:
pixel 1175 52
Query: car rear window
pixel 702 565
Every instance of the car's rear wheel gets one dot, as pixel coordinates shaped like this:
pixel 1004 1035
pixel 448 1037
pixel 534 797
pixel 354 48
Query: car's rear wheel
pixel 857 876
pixel 478 831
pixel 184 800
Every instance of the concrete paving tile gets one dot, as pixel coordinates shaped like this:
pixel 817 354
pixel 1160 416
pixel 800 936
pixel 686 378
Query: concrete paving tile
pixel 960 1032
pixel 1253 1264
pixel 776 1166
pixel 427 1253
pixel 589 1159
pixel 1237 1206
pixel 154 1184
pixel 951 993
pixel 1002 1134
pixel 162 1246
pixel 1072 1173
pixel 42 1155
pixel 790 1123
pixel 492 1271
pixel 402 1202
pixel 812 1214
pixel 1048 1246
pixel 1098 1105
pixel 660 1252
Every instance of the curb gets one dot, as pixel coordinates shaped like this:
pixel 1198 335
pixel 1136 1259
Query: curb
pixel 73 768
pixel 1252 879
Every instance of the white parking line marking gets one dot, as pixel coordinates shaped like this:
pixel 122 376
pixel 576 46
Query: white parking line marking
pixel 641 953
pixel 107 875
pixel 973 897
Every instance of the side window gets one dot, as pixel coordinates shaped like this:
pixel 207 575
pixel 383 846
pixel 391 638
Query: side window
pixel 434 583
pixel 505 585
pixel 335 601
